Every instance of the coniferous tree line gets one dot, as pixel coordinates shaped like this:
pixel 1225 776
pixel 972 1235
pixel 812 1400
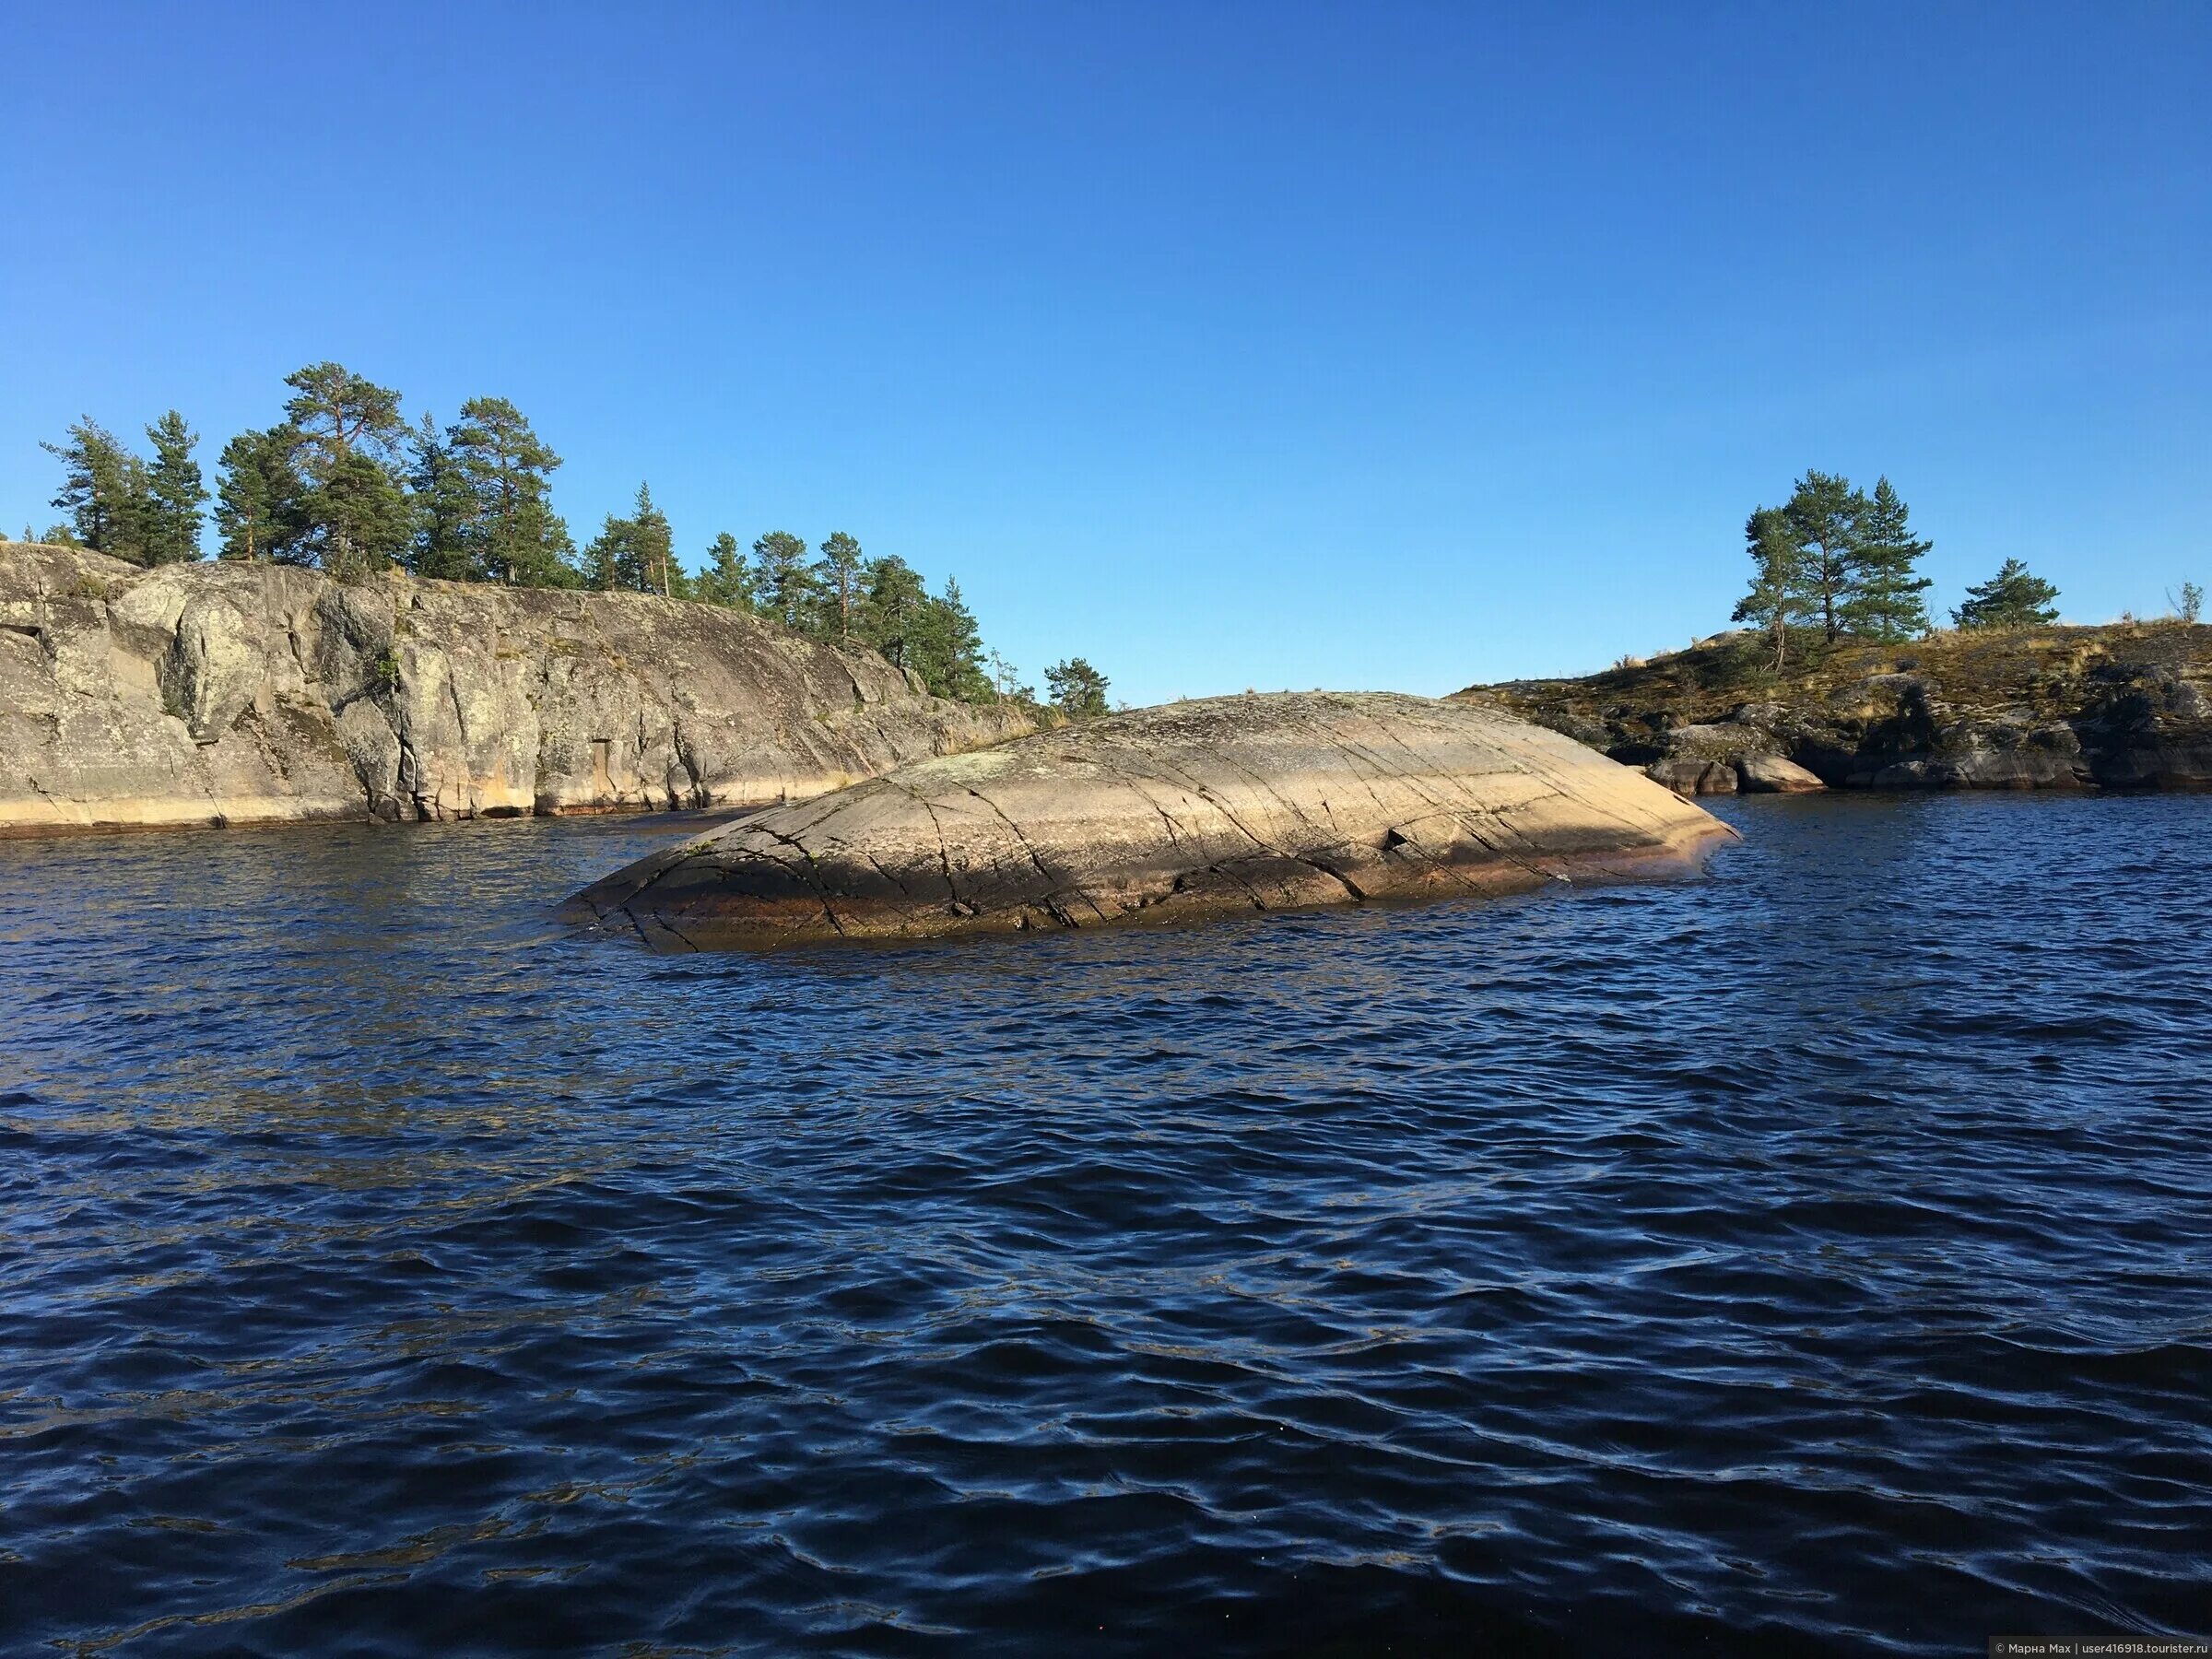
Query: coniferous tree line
pixel 1833 562
pixel 343 484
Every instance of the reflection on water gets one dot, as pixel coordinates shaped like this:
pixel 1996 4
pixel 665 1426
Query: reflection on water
pixel 1813 1255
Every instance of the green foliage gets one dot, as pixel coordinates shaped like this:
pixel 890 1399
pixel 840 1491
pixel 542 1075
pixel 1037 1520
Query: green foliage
pixel 2012 598
pixel 892 613
pixel 782 584
pixel 1885 599
pixel 1824 514
pixel 174 493
pixel 2191 603
pixel 355 516
pixel 947 648
pixel 727 580
pixel 258 504
pixel 1835 556
pixel 343 483
pixel 636 554
pixel 510 532
pixel 442 507
pixel 839 576
pixel 103 491
pixel 1779 586
pixel 1078 690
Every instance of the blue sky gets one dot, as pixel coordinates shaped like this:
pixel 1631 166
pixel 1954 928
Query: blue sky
pixel 1358 346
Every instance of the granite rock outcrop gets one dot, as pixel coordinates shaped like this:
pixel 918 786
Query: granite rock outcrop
pixel 242 693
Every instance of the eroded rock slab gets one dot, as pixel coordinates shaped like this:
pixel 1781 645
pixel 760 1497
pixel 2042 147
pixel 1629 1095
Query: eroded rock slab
pixel 1228 804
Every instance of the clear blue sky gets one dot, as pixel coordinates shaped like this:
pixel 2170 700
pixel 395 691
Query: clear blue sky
pixel 1269 345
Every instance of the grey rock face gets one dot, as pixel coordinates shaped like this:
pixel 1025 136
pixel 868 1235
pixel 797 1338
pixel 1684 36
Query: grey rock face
pixel 1227 803
pixel 237 693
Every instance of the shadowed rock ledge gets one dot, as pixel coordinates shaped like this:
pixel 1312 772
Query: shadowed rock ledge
pixel 1228 804
pixel 241 693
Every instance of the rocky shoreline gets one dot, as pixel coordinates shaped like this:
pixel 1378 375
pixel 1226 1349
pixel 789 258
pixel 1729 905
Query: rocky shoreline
pixel 233 693
pixel 1223 804
pixel 2128 706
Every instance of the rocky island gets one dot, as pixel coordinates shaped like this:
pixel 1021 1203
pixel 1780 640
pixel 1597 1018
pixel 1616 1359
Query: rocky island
pixel 1220 805
pixel 240 692
pixel 2122 706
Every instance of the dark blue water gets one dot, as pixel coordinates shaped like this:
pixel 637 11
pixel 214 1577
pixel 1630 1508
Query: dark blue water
pixel 1816 1258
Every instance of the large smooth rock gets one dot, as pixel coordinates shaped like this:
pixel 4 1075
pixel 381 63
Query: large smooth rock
pixel 1229 804
pixel 1771 774
pixel 231 693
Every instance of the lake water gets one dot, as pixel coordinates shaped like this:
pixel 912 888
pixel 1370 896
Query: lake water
pixel 1818 1257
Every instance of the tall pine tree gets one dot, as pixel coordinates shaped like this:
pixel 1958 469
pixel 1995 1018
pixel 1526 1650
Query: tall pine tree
pixel 257 503
pixel 444 507
pixel 174 493
pixel 893 613
pixel 948 648
pixel 506 469
pixel 1777 599
pixel 355 512
pixel 781 582
pixel 838 575
pixel 727 580
pixel 1824 512
pixel 1885 599
pixel 103 491
pixel 653 546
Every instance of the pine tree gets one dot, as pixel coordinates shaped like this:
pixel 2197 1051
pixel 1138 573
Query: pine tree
pixel 727 580
pixel 357 516
pixel 514 535
pixel 610 559
pixel 653 547
pixel 258 503
pixel 948 648
pixel 103 491
pixel 444 509
pixel 174 493
pixel 355 512
pixel 1077 689
pixel 781 581
pixel 1824 516
pixel 891 612
pixel 1885 601
pixel 1779 588
pixel 2012 598
pixel 838 575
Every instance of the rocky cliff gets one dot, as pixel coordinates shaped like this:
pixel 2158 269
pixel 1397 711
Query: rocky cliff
pixel 237 693
pixel 1226 803
pixel 2124 706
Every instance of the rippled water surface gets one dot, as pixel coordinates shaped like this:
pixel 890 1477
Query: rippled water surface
pixel 1815 1257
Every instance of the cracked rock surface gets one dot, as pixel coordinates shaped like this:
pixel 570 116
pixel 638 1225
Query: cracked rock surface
pixel 239 693
pixel 1222 804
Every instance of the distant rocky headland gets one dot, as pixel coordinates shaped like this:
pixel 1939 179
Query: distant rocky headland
pixel 2124 706
pixel 1227 803
pixel 248 691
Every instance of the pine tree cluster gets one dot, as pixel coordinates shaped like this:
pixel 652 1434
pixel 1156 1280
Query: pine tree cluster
pixel 1837 558
pixel 343 484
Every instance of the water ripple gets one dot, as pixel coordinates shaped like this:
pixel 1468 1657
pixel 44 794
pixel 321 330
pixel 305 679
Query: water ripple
pixel 1813 1258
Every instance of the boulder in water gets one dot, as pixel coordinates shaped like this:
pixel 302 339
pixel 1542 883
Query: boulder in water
pixel 1226 803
